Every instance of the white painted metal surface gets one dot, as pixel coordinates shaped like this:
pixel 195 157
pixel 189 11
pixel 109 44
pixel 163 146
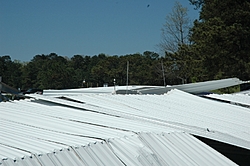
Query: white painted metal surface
pixel 237 98
pixel 96 90
pixel 28 127
pixel 141 149
pixel 46 124
pixel 196 88
pixel 180 111
pixel 177 110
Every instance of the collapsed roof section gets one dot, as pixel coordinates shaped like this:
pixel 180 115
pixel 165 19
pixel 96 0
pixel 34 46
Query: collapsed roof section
pixel 141 149
pixel 8 89
pixel 176 109
pixel 102 116
pixel 194 88
pixel 45 130
pixel 242 99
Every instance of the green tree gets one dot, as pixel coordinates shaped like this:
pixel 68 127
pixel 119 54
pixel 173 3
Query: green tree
pixel 106 70
pixel 48 72
pixel 82 68
pixel 10 71
pixel 221 36
pixel 140 69
pixel 55 73
pixel 31 70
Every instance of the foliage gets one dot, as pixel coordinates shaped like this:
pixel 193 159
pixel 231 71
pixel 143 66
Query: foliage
pixel 10 71
pixel 181 63
pixel 221 37
pixel 197 3
pixel 232 89
pixel 56 72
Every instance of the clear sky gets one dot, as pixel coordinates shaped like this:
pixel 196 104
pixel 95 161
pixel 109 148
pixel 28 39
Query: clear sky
pixel 84 27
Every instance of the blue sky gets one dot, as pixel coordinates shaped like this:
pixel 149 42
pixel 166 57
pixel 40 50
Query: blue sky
pixel 84 27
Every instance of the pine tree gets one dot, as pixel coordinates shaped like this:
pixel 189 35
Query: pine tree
pixel 221 37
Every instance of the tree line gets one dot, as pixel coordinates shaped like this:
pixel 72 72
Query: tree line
pixel 215 46
pixel 57 72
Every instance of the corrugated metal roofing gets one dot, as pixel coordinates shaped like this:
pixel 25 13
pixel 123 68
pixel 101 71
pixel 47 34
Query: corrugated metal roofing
pixel 246 92
pixel 40 125
pixel 21 119
pixel 191 88
pixel 177 110
pixel 139 149
pixel 237 98
pixel 198 87
pixel 96 90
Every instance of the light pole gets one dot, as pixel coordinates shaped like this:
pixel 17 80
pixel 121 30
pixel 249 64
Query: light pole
pixel 83 83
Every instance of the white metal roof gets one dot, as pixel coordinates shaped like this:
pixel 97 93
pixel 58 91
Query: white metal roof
pixel 175 110
pixel 40 125
pixel 191 88
pixel 237 98
pixel 195 88
pixel 246 92
pixel 96 90
pixel 140 149
pixel 31 127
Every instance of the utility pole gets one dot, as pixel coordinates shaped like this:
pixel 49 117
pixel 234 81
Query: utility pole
pixel 114 87
pixel 163 74
pixel 0 84
pixel 127 76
